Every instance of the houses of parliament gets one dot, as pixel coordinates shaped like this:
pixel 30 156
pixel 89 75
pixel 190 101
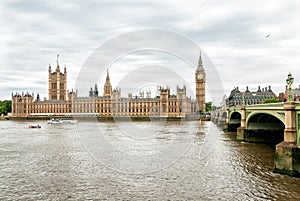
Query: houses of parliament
pixel 111 104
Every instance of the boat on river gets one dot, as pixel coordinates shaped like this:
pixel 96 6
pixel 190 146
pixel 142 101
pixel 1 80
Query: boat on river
pixel 62 121
pixel 54 121
pixel 68 121
pixel 37 126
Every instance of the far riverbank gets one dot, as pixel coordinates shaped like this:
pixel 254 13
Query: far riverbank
pixel 112 118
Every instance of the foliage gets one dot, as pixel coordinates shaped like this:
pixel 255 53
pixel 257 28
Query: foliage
pixel 271 100
pixel 214 107
pixel 5 107
pixel 208 106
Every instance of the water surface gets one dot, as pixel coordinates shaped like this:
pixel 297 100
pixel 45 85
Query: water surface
pixel 52 163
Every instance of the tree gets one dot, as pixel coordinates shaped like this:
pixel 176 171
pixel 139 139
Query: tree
pixel 271 100
pixel 213 107
pixel 208 106
pixel 5 107
pixel 2 109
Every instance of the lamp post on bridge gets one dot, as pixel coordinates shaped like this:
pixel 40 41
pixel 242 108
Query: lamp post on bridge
pixel 289 82
pixel 287 153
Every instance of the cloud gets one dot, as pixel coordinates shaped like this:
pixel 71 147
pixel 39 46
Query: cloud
pixel 232 33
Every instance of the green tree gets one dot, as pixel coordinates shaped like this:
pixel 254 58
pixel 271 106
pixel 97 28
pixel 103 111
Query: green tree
pixel 208 106
pixel 5 107
pixel 271 100
pixel 2 109
pixel 213 107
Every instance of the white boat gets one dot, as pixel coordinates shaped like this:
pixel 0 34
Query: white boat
pixel 62 121
pixel 69 121
pixel 55 121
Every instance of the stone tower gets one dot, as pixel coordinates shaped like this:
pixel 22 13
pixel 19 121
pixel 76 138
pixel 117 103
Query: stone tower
pixel 164 101
pixel 200 86
pixel 57 83
pixel 107 86
pixel 182 99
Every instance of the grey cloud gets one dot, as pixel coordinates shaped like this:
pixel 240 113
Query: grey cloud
pixel 74 29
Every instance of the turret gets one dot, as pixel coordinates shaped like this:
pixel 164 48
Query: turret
pixel 49 69
pixel 96 91
pixel 148 94
pixel 107 86
pixel 247 89
pixel 269 90
pixel 258 90
pixel 91 93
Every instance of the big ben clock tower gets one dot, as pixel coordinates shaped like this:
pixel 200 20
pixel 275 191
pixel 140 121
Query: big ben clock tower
pixel 200 86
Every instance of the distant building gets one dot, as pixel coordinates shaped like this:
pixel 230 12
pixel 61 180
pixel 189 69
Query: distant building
pixel 247 97
pixel 62 102
pixel 281 97
pixel 296 94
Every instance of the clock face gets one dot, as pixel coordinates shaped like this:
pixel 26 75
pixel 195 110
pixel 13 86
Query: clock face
pixel 200 76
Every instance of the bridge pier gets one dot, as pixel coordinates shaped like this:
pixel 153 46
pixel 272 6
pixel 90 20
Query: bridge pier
pixel 287 154
pixel 240 133
pixel 226 124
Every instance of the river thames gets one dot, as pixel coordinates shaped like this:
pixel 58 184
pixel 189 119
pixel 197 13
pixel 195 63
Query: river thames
pixel 58 162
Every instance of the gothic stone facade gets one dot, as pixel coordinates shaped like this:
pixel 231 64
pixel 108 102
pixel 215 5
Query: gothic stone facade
pixel 62 102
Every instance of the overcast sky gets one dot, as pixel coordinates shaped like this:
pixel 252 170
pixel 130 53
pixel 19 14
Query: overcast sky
pixel 250 42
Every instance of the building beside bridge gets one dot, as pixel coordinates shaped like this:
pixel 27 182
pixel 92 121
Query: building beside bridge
pixel 295 92
pixel 248 97
pixel 63 102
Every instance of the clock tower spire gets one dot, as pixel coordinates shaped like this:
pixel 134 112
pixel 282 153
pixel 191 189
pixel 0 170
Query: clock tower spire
pixel 200 63
pixel 200 86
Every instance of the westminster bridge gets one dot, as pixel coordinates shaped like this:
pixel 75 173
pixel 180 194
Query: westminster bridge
pixel 277 123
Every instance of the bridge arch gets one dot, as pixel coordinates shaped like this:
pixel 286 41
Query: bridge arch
pixel 266 127
pixel 235 111
pixel 235 118
pixel 235 115
pixel 272 118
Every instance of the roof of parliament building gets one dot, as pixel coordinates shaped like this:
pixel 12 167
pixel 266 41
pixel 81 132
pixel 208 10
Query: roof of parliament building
pixel 248 97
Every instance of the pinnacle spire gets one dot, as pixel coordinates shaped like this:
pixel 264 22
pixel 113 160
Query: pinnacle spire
pixel 200 63
pixel 200 59
pixel 107 76
pixel 57 60
pixel 57 68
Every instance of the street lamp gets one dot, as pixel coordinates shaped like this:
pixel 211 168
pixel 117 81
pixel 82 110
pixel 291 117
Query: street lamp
pixel 289 82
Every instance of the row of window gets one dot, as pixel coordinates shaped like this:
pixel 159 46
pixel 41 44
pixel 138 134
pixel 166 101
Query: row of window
pixel 80 110
pixel 43 107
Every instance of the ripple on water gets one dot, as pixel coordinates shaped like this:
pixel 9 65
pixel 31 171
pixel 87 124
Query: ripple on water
pixel 51 164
